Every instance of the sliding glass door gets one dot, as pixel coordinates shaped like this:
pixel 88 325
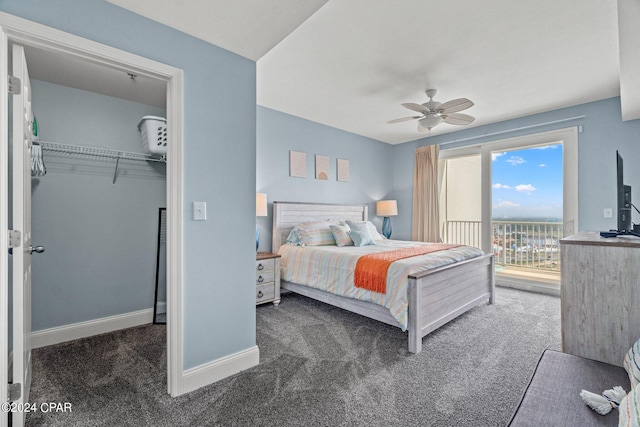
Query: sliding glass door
pixel 500 211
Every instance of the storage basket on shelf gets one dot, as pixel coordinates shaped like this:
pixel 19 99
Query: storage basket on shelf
pixel 153 131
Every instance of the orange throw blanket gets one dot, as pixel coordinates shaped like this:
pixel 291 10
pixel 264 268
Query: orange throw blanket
pixel 371 270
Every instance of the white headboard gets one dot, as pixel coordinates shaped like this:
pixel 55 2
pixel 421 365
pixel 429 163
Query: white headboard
pixel 287 214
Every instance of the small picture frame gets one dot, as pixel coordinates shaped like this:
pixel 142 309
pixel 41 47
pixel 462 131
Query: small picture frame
pixel 322 167
pixel 343 170
pixel 297 164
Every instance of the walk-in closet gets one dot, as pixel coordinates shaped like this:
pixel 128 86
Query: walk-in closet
pixel 98 187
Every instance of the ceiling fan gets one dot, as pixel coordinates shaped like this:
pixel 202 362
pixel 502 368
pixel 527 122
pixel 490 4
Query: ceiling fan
pixel 434 113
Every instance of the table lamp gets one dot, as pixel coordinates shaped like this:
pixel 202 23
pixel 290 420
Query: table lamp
pixel 386 208
pixel 261 210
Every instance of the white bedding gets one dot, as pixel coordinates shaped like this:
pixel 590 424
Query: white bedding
pixel 331 269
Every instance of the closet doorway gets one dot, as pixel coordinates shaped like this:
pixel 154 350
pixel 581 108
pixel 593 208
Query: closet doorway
pixel 46 43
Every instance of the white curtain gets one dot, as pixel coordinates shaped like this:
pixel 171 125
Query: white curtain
pixel 426 220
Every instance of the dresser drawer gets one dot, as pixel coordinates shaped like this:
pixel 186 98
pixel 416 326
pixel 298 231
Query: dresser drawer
pixel 264 277
pixel 264 265
pixel 265 292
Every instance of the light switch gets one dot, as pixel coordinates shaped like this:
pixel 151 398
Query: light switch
pixel 199 211
pixel 608 213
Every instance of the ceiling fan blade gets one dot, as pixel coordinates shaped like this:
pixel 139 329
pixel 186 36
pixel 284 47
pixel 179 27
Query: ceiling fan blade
pixel 403 119
pixel 458 119
pixel 422 128
pixel 416 107
pixel 455 105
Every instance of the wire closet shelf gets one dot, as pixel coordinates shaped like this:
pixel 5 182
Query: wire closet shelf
pixel 98 152
pixel 117 155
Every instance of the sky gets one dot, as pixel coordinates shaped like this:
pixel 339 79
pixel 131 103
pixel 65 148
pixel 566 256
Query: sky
pixel 527 183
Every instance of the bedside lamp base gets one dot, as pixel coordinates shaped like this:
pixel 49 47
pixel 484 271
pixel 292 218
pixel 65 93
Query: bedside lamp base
pixel 386 227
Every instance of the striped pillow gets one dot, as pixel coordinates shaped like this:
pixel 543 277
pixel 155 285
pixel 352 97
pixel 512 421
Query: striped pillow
pixel 341 235
pixel 316 233
pixel 631 363
pixel 629 409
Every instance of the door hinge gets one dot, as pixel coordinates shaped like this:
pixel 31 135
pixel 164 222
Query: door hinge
pixel 14 391
pixel 14 238
pixel 14 85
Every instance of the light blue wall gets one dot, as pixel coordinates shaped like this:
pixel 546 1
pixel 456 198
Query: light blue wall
pixel 279 133
pixel 604 132
pixel 100 238
pixel 219 164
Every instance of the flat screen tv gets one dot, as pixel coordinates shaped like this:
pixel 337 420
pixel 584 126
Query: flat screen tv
pixel 624 198
pixel 625 226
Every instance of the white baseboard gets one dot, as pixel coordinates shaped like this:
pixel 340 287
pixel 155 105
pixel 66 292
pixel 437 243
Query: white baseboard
pixel 161 307
pixel 76 331
pixel 216 370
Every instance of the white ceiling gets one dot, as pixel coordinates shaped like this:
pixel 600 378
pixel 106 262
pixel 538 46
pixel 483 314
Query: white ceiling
pixel 71 71
pixel 349 64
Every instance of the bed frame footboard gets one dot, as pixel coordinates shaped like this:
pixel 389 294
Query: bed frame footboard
pixel 440 295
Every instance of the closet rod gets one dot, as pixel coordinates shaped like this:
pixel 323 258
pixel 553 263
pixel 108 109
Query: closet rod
pixel 99 152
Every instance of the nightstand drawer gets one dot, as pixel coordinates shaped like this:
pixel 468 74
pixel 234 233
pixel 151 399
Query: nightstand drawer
pixel 265 265
pixel 264 277
pixel 267 278
pixel 265 292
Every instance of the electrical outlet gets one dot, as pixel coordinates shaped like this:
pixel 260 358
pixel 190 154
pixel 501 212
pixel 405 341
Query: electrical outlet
pixel 608 213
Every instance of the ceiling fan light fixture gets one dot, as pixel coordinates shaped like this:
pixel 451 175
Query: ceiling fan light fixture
pixel 430 122
pixel 434 112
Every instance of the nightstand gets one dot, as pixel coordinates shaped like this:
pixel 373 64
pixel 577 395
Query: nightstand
pixel 267 278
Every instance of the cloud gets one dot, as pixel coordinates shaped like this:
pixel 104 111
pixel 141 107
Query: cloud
pixel 515 160
pixel 542 165
pixel 507 204
pixel 498 185
pixel 525 188
pixel 494 156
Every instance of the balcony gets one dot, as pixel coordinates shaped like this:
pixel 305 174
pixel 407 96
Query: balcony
pixel 527 254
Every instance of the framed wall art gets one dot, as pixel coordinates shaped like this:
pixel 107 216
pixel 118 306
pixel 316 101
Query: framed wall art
pixel 297 164
pixel 343 170
pixel 322 167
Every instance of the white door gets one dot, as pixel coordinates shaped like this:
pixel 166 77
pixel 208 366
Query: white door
pixel 21 189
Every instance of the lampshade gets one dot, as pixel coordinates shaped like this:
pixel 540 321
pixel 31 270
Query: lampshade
pixel 386 208
pixel 261 204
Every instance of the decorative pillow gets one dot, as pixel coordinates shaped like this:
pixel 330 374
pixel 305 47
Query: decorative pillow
pixel 631 363
pixel 360 234
pixel 629 409
pixel 341 235
pixel 293 237
pixel 372 229
pixel 316 233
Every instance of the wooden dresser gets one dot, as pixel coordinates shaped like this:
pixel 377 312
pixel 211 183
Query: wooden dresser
pixel 600 295
pixel 267 278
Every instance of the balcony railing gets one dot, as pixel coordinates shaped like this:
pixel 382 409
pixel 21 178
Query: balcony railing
pixel 515 243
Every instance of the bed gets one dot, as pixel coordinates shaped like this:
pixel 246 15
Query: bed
pixel 433 296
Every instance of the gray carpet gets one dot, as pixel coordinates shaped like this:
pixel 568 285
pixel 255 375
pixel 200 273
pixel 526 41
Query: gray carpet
pixel 320 366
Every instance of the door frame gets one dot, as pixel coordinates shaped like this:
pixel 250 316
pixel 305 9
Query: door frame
pixel 569 139
pixel 29 33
